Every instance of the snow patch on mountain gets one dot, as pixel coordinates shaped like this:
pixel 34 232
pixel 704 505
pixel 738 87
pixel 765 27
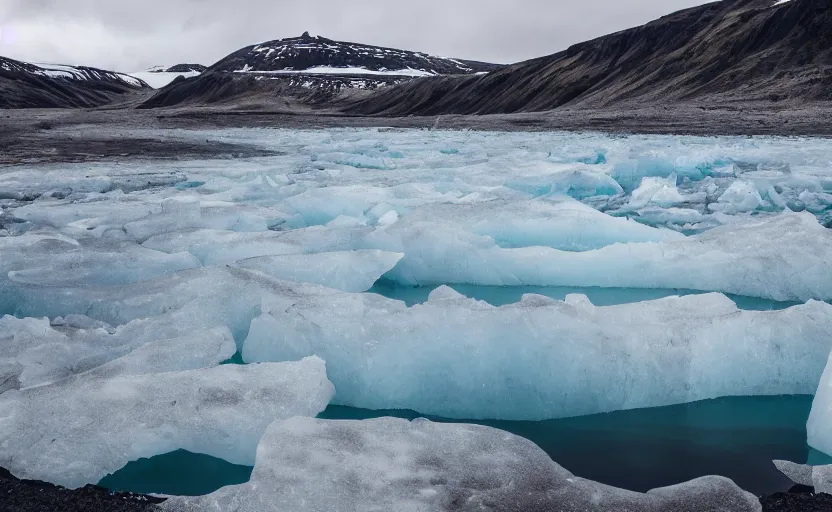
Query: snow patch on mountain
pixel 307 54
pixel 326 70
pixel 157 80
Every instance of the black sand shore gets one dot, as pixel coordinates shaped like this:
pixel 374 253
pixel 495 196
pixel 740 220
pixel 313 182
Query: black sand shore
pixel 31 496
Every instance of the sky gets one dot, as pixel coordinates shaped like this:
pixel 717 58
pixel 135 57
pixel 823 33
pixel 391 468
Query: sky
pixel 133 35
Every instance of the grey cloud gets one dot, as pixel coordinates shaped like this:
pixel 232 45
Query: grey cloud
pixel 133 35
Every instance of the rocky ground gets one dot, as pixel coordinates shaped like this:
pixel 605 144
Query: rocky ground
pixel 801 501
pixel 28 496
pixel 73 135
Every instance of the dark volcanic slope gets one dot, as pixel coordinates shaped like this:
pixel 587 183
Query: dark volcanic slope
pixel 25 85
pixel 734 50
pixel 304 52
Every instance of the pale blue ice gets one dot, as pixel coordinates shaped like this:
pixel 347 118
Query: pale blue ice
pixel 100 260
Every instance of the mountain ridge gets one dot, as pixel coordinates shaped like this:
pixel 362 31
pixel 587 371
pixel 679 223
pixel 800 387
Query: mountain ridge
pixel 27 85
pixel 307 52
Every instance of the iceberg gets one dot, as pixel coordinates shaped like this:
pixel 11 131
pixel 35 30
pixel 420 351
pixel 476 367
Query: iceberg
pixel 741 196
pixel 541 359
pixel 819 426
pixel 216 247
pixel 77 431
pixel 53 259
pixel 44 351
pixel 558 223
pixel 313 465
pixel 780 258
pixel 350 271
pixel 660 192
pixel 818 477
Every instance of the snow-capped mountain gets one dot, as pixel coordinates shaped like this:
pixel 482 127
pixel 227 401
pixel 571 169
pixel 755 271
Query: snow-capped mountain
pixel 24 85
pixel 82 73
pixel 307 54
pixel 309 71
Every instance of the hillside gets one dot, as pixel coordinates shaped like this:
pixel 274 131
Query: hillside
pixel 724 52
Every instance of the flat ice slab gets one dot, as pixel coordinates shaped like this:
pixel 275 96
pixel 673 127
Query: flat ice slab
pixel 540 358
pixel 77 431
pixel 42 351
pixel 350 271
pixel 391 464
pixel 781 258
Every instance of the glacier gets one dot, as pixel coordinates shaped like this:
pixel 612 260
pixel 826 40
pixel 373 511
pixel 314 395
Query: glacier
pixel 125 286
pixel 421 466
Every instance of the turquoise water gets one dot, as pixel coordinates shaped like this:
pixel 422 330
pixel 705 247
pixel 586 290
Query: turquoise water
pixel 638 450
pixel 181 473
pixel 502 295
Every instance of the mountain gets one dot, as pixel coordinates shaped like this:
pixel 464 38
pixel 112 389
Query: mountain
pixel 306 53
pixel 724 52
pixel 309 70
pixel 24 85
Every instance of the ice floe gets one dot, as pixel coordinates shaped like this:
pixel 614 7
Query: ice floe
pixel 311 465
pixel 77 431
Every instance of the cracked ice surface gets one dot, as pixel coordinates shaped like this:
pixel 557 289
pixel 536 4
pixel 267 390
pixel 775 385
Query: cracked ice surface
pixel 462 207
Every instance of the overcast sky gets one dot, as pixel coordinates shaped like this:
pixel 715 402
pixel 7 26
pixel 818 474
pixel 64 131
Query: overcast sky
pixel 132 35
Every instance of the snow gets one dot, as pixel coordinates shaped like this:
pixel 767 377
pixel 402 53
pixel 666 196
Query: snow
pixel 77 431
pixel 325 70
pixel 308 465
pixel 78 73
pixel 158 80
